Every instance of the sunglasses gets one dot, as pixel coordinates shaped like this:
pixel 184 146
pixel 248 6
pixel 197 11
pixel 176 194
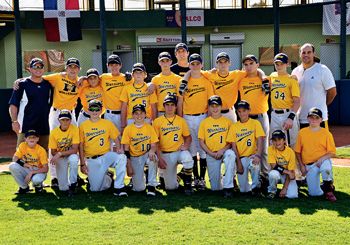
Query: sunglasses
pixel 94 109
pixel 38 67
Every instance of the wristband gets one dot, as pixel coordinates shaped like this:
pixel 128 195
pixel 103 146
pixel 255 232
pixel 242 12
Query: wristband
pixel 20 162
pixel 127 154
pixel 15 121
pixel 279 168
pixel 291 115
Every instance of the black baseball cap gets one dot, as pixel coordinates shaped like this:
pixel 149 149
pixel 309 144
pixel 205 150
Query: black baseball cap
pixel 215 100
pixel 114 59
pixel 73 61
pixel 92 72
pixel 181 45
pixel 30 133
pixel 139 107
pixel 315 112
pixel 195 57
pixel 164 55
pixel 170 98
pixel 95 104
pixel 138 67
pixel 250 57
pixel 243 104
pixel 222 55
pixel 278 134
pixel 64 114
pixel 281 57
pixel 35 61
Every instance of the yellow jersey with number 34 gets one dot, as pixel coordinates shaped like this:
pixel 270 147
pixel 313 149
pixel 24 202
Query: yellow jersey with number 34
pixel 36 157
pixel 285 158
pixel 63 140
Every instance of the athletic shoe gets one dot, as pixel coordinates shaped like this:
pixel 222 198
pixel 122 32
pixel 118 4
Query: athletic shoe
pixel 161 184
pixel 201 185
pixel 80 181
pixel 188 190
pixel 228 192
pixel 39 190
pixel 54 183
pixel 120 192
pixel 271 195
pixel 151 191
pixel 72 189
pixel 256 192
pixel 195 183
pixel 23 191
pixel 330 197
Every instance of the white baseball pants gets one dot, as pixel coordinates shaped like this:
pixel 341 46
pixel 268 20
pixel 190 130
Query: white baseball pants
pixel 248 166
pixel 19 173
pixel 277 121
pixel 138 166
pixel 265 166
pixel 193 123
pixel 231 114
pixel 62 166
pixel 275 177
pixel 313 176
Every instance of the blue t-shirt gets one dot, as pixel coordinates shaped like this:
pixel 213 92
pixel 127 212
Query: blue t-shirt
pixel 33 101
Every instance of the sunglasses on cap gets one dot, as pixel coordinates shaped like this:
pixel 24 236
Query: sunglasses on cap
pixel 94 109
pixel 38 67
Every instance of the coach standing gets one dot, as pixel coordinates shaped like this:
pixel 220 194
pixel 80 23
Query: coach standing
pixel 29 105
pixel 317 85
pixel 182 66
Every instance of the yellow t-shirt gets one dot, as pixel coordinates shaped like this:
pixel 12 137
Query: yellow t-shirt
pixel 139 139
pixel 165 85
pixel 226 87
pixel 245 136
pixel 96 136
pixel 170 132
pixel 196 96
pixel 36 156
pixel 313 145
pixel 63 140
pixel 250 89
pixel 283 89
pixel 137 94
pixel 89 93
pixel 66 92
pixel 214 132
pixel 285 158
pixel 112 87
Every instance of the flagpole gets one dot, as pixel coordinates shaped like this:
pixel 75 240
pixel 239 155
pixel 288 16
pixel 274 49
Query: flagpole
pixel 343 39
pixel 103 36
pixel 18 38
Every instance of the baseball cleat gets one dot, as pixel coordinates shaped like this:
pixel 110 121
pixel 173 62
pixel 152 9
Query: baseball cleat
pixel 23 191
pixel 271 195
pixel 39 190
pixel 228 192
pixel 54 183
pixel 120 192
pixel 201 185
pixel 331 197
pixel 151 191
pixel 80 181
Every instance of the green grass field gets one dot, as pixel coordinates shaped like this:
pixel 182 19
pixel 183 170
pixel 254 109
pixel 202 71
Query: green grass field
pixel 172 218
pixel 343 152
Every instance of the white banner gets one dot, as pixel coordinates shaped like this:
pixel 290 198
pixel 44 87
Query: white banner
pixel 331 19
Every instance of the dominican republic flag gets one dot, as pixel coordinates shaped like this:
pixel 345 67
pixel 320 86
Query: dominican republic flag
pixel 62 20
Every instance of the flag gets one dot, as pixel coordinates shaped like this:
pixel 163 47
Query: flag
pixel 62 20
pixel 331 19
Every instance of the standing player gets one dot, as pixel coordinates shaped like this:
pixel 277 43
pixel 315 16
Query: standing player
pixel 174 142
pixel 212 136
pixel 285 100
pixel 64 142
pixel 181 53
pixel 247 138
pixel 95 155
pixel 314 149
pixel 139 140
pixel 282 160
pixel 194 111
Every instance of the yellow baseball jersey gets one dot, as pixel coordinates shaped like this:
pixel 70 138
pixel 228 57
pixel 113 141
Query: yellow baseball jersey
pixel 63 140
pixel 112 87
pixel 96 136
pixel 66 92
pixel 196 96
pixel 245 136
pixel 283 89
pixel 285 158
pixel 251 91
pixel 139 139
pixel 313 145
pixel 170 132
pixel 214 132
pixel 88 93
pixel 134 94
pixel 165 85
pixel 36 157
pixel 226 87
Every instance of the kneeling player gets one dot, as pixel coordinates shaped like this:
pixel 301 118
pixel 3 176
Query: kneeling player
pixel 174 142
pixel 247 137
pixel 29 164
pixel 139 140
pixel 314 149
pixel 212 136
pixel 95 155
pixel 282 161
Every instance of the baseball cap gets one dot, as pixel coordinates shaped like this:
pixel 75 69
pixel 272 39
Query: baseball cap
pixel 35 61
pixel 73 61
pixel 139 107
pixel 92 72
pixel 222 55
pixel 138 67
pixel 281 57
pixel 250 57
pixel 64 114
pixel 95 104
pixel 181 45
pixel 278 134
pixel 315 112
pixel 243 104
pixel 164 55
pixel 114 59
pixel 215 100
pixel 170 98
pixel 30 133
pixel 195 57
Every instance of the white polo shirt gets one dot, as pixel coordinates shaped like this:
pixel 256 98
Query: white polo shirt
pixel 314 83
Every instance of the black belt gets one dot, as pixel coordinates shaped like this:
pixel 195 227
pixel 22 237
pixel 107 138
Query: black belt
pixel 256 116
pixel 113 112
pixel 309 163
pixel 167 152
pixel 94 157
pixel 225 111
pixel 86 115
pixel 198 114
pixel 281 111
